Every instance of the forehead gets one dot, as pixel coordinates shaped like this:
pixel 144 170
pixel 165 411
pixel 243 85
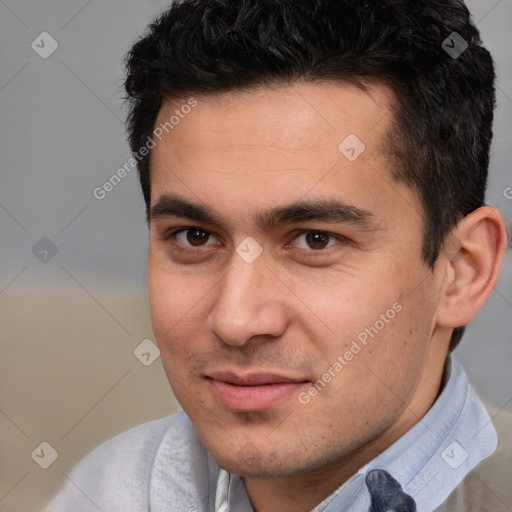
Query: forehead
pixel 265 145
pixel 302 115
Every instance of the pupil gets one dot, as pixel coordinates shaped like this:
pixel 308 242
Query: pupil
pixel 317 240
pixel 196 237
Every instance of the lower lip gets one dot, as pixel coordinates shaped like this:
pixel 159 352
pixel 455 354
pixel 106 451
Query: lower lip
pixel 252 398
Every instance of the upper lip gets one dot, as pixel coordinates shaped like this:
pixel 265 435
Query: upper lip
pixel 255 379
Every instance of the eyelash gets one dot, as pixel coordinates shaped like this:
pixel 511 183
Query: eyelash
pixel 172 234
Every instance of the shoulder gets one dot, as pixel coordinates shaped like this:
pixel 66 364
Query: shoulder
pixel 487 488
pixel 116 475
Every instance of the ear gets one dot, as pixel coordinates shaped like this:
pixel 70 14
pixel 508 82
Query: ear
pixel 474 253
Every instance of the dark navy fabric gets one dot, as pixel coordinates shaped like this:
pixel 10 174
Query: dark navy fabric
pixel 387 494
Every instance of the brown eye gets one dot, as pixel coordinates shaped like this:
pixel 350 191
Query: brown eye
pixel 193 237
pixel 317 240
pixel 197 237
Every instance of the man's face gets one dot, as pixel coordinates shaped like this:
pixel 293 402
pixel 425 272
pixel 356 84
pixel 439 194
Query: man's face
pixel 288 297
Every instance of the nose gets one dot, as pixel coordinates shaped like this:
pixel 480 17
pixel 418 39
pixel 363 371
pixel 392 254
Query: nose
pixel 247 304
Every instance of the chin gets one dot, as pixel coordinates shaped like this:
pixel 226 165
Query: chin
pixel 251 462
pixel 255 469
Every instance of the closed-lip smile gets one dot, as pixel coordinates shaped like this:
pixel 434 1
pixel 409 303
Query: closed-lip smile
pixel 251 392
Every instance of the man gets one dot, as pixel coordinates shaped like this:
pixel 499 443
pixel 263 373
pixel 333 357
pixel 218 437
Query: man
pixel 314 174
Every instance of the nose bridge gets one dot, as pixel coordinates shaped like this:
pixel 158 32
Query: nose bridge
pixel 245 304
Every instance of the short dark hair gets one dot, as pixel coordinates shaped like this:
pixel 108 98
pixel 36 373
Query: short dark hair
pixel 443 102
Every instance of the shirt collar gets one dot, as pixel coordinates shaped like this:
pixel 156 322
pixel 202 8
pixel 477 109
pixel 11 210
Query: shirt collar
pixel 427 462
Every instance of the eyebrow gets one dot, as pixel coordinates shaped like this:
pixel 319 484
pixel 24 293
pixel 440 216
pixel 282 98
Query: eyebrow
pixel 329 210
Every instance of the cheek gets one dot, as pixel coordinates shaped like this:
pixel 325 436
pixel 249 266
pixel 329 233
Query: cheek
pixel 174 311
pixel 393 348
pixel 381 329
pixel 174 302
pixel 357 310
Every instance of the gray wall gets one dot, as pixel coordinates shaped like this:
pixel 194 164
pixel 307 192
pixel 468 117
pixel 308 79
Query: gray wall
pixel 70 321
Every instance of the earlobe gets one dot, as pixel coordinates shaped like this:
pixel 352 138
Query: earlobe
pixel 474 252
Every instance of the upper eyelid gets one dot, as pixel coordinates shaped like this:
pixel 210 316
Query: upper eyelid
pixel 329 233
pixel 172 232
pixel 296 233
pixel 340 238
